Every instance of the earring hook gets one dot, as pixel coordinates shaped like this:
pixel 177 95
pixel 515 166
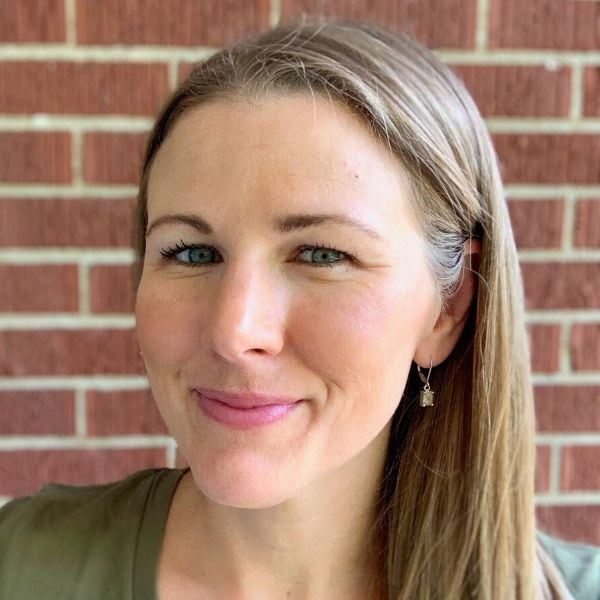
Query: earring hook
pixel 426 381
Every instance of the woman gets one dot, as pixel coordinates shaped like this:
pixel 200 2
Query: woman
pixel 330 313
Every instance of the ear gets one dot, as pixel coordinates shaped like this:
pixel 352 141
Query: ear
pixel 438 342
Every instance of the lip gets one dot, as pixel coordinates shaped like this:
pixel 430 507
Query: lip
pixel 244 411
pixel 245 399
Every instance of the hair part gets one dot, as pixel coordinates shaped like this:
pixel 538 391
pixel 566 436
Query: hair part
pixel 457 499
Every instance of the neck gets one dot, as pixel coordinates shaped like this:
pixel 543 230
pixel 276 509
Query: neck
pixel 323 544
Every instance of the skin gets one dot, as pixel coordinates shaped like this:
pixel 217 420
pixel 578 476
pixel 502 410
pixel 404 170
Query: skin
pixel 284 508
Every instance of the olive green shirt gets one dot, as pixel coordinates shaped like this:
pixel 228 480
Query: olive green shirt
pixel 102 542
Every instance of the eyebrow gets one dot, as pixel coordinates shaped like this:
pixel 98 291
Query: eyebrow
pixel 282 224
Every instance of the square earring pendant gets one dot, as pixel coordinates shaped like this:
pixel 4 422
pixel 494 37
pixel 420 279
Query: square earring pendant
pixel 426 398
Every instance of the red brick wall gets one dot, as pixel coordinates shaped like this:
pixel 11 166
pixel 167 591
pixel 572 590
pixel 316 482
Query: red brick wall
pixel 79 83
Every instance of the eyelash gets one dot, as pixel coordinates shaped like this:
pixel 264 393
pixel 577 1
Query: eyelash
pixel 170 253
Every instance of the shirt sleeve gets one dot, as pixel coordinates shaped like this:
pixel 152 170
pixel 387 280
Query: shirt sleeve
pixel 579 565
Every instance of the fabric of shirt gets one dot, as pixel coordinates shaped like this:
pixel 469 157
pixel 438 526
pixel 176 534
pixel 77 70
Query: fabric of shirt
pixel 103 542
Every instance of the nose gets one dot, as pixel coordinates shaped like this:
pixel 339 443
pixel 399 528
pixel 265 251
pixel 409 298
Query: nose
pixel 247 316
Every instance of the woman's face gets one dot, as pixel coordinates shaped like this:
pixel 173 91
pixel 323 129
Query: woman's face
pixel 282 259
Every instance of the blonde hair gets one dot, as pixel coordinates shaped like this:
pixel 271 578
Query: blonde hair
pixel 457 500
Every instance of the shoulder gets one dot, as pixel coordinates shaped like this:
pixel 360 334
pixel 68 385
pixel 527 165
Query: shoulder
pixel 66 536
pixel 579 565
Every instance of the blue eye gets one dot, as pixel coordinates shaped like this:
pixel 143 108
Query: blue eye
pixel 318 255
pixel 190 254
pixel 324 256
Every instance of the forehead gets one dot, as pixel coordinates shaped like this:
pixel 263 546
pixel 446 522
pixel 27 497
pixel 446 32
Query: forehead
pixel 299 150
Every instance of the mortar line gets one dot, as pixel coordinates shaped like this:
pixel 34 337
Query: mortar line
pixel 96 382
pixel 482 25
pixel 564 356
pixel 576 108
pixel 275 14
pixel 84 289
pixel 567 499
pixel 80 413
pixel 568 231
pixel 555 457
pixel 70 22
pixel 171 454
pixel 14 443
pixel 172 70
pixel 77 158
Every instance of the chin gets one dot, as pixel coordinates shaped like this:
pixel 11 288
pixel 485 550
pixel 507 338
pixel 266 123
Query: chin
pixel 243 482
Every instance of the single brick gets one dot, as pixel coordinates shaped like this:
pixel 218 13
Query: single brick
pixel 39 288
pixel 184 69
pixel 542 469
pixel 113 157
pixel 545 347
pixel 585 347
pixel 123 412
pixel 567 408
pixel 561 284
pixel 537 223
pixel 591 99
pixel 111 289
pixel 518 91
pixel 39 412
pixel 580 468
pixel 177 22
pixel 25 471
pixel 69 352
pixel 453 25
pixel 548 158
pixel 43 222
pixel 82 88
pixel 32 21
pixel 574 523
pixel 35 157
pixel 564 25
pixel 587 223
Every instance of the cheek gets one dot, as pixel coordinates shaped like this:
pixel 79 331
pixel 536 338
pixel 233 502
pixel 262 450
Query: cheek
pixel 167 323
pixel 362 334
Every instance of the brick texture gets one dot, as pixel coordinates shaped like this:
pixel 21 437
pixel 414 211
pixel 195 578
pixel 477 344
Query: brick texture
pixel 28 157
pixel 452 27
pixel 545 347
pixel 580 468
pixel 585 342
pixel 564 25
pixel 66 352
pixel 551 158
pixel 32 21
pixel 561 285
pixel 111 289
pixel 25 471
pixel 113 157
pixel 39 412
pixel 82 88
pixel 591 99
pixel 537 223
pixel 123 412
pixel 574 523
pixel 62 222
pixel 587 223
pixel 208 23
pixel 38 288
pixel 511 91
pixel 568 408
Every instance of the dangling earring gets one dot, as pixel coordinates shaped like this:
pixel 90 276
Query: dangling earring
pixel 426 396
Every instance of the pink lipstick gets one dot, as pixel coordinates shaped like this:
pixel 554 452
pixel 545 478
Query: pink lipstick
pixel 244 410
